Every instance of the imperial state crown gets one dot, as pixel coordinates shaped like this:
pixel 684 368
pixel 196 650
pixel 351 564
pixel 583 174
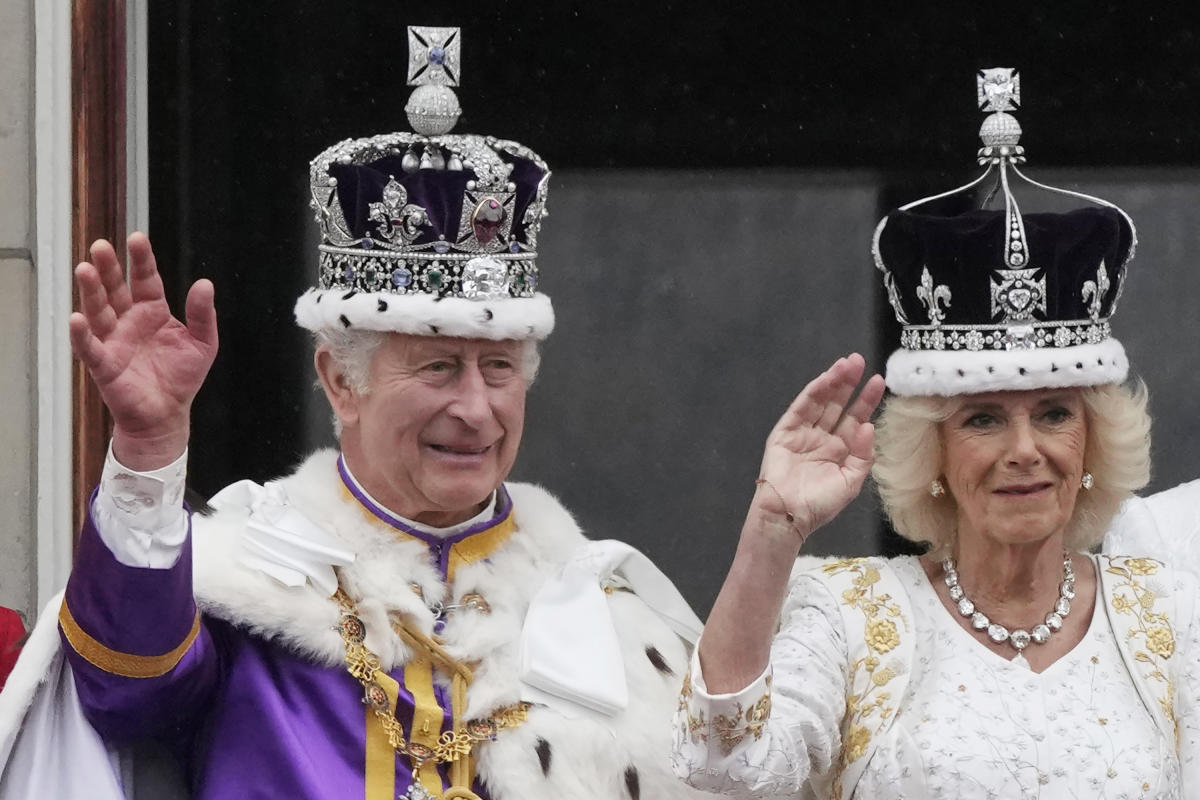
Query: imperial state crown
pixel 429 232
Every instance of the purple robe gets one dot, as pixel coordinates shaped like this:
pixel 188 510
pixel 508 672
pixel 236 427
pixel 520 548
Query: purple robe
pixel 248 718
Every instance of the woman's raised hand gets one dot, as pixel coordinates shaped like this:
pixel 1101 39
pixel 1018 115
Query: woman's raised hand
pixel 147 364
pixel 816 459
pixel 820 451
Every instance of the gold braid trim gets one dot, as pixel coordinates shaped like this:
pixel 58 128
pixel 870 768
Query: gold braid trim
pixel 454 746
pixel 114 662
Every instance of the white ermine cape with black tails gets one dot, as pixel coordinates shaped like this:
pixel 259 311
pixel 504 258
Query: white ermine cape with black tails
pixel 564 750
pixel 589 632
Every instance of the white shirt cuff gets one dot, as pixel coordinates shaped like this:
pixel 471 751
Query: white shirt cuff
pixel 139 515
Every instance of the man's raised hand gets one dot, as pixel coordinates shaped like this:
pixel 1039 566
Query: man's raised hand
pixel 147 364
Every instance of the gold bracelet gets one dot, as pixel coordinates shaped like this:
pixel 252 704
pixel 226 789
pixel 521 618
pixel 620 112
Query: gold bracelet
pixel 789 516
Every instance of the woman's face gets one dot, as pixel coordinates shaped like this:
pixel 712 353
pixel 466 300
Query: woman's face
pixel 1013 461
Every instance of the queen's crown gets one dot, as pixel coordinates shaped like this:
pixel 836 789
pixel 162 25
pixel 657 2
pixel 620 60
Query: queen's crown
pixel 992 279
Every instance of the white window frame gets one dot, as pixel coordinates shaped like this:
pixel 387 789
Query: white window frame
pixel 54 159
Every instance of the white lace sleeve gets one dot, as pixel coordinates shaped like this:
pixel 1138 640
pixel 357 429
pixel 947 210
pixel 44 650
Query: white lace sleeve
pixel 767 739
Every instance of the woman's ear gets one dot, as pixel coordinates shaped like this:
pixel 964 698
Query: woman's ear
pixel 342 398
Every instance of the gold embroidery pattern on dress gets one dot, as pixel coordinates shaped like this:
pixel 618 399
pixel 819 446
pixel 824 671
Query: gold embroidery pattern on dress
pixel 868 704
pixel 1152 637
pixel 697 725
pixel 729 729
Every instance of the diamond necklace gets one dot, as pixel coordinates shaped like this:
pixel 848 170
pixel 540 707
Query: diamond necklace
pixel 999 634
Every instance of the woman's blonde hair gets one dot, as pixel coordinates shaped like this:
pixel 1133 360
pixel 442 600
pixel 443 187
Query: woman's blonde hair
pixel 908 458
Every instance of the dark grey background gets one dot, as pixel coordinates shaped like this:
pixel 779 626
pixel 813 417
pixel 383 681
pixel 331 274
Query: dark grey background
pixel 717 177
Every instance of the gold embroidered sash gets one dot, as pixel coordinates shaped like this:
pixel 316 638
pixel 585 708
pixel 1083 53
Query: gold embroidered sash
pixel 1140 614
pixel 879 641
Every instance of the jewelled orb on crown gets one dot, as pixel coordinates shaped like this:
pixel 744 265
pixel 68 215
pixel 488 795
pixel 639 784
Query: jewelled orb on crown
pixel 1001 299
pixel 429 232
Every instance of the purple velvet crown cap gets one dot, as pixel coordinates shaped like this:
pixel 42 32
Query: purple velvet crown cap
pixel 443 194
pixel 431 232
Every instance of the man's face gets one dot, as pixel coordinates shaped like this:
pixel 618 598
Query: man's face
pixel 439 428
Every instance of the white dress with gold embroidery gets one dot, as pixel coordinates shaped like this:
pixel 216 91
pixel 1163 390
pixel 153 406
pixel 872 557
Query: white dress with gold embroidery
pixel 967 723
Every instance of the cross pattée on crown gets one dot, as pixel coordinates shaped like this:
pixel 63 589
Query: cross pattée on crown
pixel 998 89
pixel 434 56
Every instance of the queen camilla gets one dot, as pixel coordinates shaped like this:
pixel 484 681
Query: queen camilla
pixel 1006 661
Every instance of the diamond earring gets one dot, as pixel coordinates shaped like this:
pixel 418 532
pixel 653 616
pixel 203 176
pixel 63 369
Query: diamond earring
pixel 1087 481
pixel 936 489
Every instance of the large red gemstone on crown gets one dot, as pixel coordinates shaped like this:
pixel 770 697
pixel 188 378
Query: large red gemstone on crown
pixel 487 219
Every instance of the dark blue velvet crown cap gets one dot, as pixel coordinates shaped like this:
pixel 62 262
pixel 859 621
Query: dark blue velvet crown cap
pixel 962 252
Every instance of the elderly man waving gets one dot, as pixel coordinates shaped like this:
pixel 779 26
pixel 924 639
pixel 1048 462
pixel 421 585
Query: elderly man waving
pixel 394 619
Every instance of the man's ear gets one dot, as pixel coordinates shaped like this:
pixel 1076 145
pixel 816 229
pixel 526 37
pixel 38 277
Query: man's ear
pixel 342 398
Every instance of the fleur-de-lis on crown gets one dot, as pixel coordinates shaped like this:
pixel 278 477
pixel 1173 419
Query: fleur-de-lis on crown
pixel 1094 291
pixel 931 296
pixel 396 216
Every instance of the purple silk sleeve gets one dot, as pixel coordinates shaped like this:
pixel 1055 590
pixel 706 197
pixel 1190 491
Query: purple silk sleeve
pixel 135 618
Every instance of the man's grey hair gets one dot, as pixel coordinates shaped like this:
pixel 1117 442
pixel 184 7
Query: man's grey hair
pixel 352 351
pixel 353 348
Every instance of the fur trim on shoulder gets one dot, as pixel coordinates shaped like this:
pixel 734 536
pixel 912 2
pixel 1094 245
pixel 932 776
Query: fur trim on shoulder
pixel 540 516
pixel 545 538
pixel 598 757
pixel 301 618
pixel 383 577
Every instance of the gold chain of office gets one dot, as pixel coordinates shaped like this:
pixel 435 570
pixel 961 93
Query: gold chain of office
pixel 452 745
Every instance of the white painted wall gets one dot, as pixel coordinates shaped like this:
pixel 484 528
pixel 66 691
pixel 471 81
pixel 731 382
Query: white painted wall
pixel 18 585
